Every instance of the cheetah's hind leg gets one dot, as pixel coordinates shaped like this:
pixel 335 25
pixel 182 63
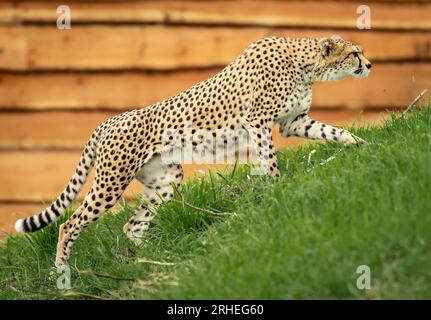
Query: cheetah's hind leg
pixel 157 178
pixel 94 205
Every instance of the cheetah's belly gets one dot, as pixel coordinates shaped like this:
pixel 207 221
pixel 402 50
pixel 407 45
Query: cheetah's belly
pixel 207 147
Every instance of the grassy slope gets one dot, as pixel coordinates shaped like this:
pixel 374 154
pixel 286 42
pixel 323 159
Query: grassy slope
pixel 302 236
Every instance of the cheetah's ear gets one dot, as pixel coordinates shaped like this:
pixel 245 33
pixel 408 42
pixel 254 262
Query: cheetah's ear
pixel 327 45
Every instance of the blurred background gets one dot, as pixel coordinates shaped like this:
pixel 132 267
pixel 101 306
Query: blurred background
pixel 56 85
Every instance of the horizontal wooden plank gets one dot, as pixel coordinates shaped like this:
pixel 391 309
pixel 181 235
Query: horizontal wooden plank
pixel 48 130
pixel 70 130
pixel 267 13
pixel 41 175
pixel 14 54
pixel 7 12
pixel 119 91
pixel 165 48
pixel 389 85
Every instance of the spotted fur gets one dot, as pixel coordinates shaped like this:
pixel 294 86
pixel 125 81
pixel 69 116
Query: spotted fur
pixel 269 83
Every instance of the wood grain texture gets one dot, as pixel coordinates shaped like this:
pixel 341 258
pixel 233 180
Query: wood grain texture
pixel 7 12
pixel 389 85
pixel 119 91
pixel 48 130
pixel 267 13
pixel 13 48
pixel 166 48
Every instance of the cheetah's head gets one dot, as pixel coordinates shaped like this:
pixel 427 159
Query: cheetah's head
pixel 339 59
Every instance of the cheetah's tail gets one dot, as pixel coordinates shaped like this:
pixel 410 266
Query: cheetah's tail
pixel 59 206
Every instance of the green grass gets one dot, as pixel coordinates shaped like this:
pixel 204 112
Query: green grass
pixel 302 236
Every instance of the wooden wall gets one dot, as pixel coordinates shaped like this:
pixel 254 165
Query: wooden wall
pixel 57 85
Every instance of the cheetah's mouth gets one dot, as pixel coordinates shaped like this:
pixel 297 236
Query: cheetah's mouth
pixel 360 73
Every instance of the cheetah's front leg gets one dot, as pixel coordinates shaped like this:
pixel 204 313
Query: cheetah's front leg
pixel 305 127
pixel 261 139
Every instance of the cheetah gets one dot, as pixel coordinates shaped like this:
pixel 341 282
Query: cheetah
pixel 269 83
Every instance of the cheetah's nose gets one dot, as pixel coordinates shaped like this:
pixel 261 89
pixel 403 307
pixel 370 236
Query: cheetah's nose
pixel 368 65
